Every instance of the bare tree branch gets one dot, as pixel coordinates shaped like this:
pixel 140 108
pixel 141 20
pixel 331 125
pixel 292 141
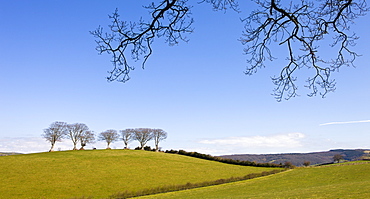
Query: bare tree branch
pixel 301 26
pixel 127 136
pixel 170 19
pixel 55 133
pixel 75 131
pixel 86 137
pixel 158 135
pixel 143 135
pixel 223 5
pixel 109 136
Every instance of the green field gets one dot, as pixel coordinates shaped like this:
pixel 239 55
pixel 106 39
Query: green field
pixel 101 173
pixel 336 181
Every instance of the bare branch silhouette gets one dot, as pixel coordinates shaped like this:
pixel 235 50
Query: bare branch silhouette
pixel 302 26
pixel 127 40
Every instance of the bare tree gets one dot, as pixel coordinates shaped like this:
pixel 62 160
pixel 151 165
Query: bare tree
pixel 301 26
pixel 337 158
pixel 109 136
pixel 75 131
pixel 143 135
pixel 86 137
pixel 158 135
pixel 55 133
pixel 306 163
pixel 127 136
pixel 289 165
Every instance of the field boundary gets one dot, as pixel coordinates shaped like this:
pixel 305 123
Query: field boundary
pixel 172 188
pixel 346 164
pixel 224 160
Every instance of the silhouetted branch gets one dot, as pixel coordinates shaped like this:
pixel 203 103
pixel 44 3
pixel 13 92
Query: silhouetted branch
pixel 301 26
pixel 128 40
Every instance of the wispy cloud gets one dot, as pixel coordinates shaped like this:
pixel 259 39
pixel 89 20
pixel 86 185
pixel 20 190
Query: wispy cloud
pixel 38 144
pixel 289 140
pixel 23 144
pixel 348 122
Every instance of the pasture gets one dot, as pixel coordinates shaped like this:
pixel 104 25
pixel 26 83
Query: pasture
pixel 335 181
pixel 102 173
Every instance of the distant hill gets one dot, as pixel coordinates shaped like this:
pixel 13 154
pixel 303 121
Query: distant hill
pixel 8 153
pixel 298 158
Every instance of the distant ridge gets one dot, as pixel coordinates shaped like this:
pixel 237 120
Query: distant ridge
pixel 8 153
pixel 299 158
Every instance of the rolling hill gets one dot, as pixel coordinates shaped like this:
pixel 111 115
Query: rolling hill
pixel 106 173
pixel 102 173
pixel 350 180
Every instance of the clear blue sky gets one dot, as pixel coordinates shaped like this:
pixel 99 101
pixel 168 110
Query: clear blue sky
pixel 196 91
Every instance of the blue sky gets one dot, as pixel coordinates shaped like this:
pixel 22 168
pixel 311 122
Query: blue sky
pixel 195 91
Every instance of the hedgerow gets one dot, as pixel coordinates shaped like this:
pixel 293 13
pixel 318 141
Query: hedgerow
pixel 171 188
pixel 223 160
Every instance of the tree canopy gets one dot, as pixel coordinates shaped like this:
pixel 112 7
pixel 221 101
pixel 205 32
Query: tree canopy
pixel 76 132
pixel 158 135
pixel 301 26
pixel 86 137
pixel 127 136
pixel 143 135
pixel 56 131
pixel 109 136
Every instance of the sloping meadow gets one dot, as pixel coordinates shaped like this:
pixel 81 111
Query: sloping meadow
pixel 350 180
pixel 103 173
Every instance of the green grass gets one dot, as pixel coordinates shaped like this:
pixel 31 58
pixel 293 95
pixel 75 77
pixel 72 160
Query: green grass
pixel 101 173
pixel 336 181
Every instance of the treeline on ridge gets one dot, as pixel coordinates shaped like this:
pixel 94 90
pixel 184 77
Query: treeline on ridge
pixel 223 160
pixel 80 133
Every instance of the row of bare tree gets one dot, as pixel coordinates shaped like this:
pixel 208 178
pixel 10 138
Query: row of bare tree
pixel 142 135
pixel 80 133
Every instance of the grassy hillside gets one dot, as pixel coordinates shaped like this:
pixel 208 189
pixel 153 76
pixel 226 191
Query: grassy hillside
pixel 343 181
pixel 101 173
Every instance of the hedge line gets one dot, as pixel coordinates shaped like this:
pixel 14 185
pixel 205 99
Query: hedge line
pixel 171 188
pixel 224 160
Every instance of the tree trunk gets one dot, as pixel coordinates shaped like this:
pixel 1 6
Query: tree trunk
pixel 52 147
pixel 74 146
